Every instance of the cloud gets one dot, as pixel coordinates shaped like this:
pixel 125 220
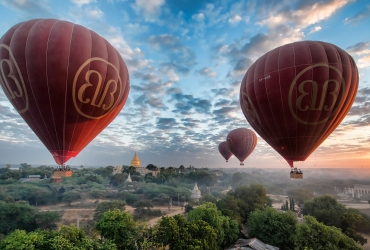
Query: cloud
pixel 198 17
pixel 190 122
pixel 169 70
pixel 166 123
pixel 181 57
pixel 30 8
pixel 314 29
pixel 82 2
pixel 149 9
pixel 94 13
pixel 359 48
pixel 360 16
pixel 364 62
pixel 307 13
pixel 206 71
pixel 235 19
pixel 241 67
pixel 187 104
pixel 222 103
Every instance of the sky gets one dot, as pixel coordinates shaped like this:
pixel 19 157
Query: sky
pixel 186 60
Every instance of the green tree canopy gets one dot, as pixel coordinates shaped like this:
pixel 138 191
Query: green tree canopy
pixel 273 227
pixel 243 200
pixel 313 235
pixel 178 234
pixel 67 238
pixel 108 206
pixel 20 215
pixel 120 228
pixel 327 210
pixel 209 213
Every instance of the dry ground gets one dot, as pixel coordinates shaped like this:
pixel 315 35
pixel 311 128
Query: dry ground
pixel 84 211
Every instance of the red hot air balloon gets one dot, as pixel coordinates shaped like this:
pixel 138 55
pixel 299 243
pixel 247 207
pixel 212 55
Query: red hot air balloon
pixel 66 82
pixel 296 95
pixel 224 150
pixel 241 142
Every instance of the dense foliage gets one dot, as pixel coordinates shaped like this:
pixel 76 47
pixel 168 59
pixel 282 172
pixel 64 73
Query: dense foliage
pixel 327 210
pixel 20 215
pixel 66 238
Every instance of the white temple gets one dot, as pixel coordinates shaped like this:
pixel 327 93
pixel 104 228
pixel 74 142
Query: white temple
pixel 195 193
pixel 128 178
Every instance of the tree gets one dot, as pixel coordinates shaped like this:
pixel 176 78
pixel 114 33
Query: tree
pixel 151 167
pixel 56 187
pixel 315 235
pixel 120 228
pixel 117 179
pixel 188 208
pixel 237 177
pixel 108 206
pixel 327 210
pixel 67 238
pixel 182 168
pixel 221 224
pixel 35 194
pixel 243 200
pixel 21 215
pixel 178 234
pixel 70 196
pixel 300 195
pixel 171 170
pixel 47 220
pixel 273 227
pixel 17 216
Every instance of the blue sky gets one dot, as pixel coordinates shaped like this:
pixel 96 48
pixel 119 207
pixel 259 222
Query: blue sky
pixel 186 60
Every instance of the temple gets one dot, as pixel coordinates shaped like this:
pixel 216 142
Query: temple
pixel 135 162
pixel 128 178
pixel 195 193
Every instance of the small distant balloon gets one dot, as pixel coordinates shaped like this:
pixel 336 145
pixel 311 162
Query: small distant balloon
pixel 67 82
pixel 224 150
pixel 296 95
pixel 241 142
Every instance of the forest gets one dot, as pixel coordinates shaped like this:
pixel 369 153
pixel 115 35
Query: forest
pixel 156 211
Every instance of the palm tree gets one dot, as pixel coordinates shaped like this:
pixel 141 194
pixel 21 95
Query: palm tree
pixel 132 169
pixel 182 168
pixel 171 169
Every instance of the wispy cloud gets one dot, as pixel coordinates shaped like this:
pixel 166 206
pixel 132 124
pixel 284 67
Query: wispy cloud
pixel 82 2
pixel 149 9
pixel 360 16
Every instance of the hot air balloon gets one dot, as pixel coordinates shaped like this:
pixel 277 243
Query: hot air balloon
pixel 67 82
pixel 241 142
pixel 224 150
pixel 295 95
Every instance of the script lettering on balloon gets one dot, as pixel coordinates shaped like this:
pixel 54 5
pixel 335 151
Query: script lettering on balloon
pixel 249 109
pixel 316 94
pixel 112 91
pixel 11 81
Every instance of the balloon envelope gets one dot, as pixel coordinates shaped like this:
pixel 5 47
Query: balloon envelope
pixel 66 81
pixel 296 95
pixel 224 150
pixel 241 142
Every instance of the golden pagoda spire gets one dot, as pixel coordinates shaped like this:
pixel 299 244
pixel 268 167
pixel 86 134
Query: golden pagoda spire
pixel 135 161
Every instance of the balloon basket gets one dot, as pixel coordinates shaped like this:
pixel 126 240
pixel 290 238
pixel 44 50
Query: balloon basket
pixel 296 174
pixel 241 164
